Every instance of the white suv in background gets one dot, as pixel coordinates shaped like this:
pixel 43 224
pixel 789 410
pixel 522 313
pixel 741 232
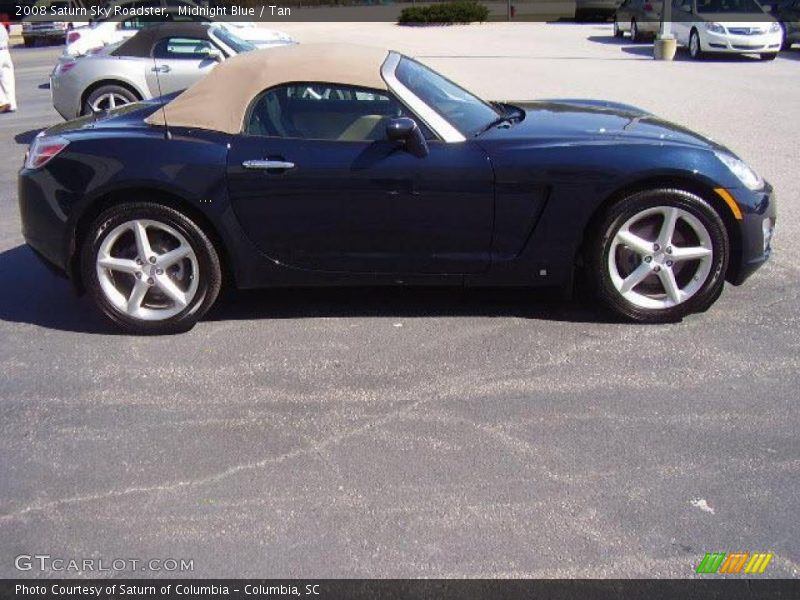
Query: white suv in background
pixel 731 26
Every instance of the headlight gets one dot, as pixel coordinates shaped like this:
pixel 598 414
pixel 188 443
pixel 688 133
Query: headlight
pixel 743 172
pixel 775 28
pixel 715 27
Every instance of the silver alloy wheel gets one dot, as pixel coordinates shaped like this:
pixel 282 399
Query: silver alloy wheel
pixel 662 272
pixel 109 101
pixel 147 270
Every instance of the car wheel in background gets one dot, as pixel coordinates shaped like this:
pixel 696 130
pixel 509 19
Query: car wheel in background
pixel 768 55
pixel 695 50
pixel 149 268
pixel 618 33
pixel 29 42
pixel 658 255
pixel 107 97
pixel 635 35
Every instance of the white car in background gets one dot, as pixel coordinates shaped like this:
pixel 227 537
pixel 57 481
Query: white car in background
pixel 84 40
pixel 726 26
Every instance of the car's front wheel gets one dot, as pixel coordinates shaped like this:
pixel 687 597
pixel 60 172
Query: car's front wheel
pixel 695 49
pixel 659 255
pixel 618 33
pixel 149 268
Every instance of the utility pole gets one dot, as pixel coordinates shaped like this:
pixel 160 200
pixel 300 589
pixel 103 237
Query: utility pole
pixel 666 19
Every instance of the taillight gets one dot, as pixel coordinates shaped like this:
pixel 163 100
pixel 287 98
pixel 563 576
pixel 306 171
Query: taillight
pixel 73 36
pixel 66 66
pixel 648 7
pixel 43 150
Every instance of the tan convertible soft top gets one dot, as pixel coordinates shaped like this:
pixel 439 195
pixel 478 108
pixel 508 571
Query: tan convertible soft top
pixel 219 100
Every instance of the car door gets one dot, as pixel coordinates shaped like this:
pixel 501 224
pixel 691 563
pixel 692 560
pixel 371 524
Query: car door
pixel 333 193
pixel 178 62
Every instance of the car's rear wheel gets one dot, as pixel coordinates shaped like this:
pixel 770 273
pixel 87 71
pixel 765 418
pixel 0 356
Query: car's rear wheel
pixel 659 255
pixel 635 35
pixel 107 97
pixel 149 268
pixel 695 50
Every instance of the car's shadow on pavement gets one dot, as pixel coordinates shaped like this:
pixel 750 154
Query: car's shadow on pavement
pixel 32 294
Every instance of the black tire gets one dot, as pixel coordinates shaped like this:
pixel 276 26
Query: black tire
pixel 697 54
pixel 29 42
pixel 636 37
pixel 600 243
pixel 618 33
pixel 768 56
pixel 210 271
pixel 785 43
pixel 117 90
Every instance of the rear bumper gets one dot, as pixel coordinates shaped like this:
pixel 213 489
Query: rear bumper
pixel 756 229
pixel 44 223
pixel 65 96
pixel 53 32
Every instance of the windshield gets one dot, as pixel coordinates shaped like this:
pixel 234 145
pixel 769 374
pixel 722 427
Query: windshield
pixel 728 6
pixel 233 42
pixel 465 111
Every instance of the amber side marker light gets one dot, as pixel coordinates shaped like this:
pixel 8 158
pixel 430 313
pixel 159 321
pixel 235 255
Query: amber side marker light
pixel 730 201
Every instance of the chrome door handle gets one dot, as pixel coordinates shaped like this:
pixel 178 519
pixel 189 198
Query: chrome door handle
pixel 161 69
pixel 268 165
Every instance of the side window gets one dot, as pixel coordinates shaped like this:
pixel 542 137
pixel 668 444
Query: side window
pixel 184 48
pixel 322 111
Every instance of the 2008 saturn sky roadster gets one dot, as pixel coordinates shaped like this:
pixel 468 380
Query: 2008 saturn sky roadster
pixel 341 165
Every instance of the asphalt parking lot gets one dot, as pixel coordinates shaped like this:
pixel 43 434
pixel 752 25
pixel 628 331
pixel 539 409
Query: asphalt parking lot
pixel 421 433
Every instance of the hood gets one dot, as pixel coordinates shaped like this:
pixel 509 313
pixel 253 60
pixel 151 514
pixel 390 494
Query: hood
pixel 571 120
pixel 756 21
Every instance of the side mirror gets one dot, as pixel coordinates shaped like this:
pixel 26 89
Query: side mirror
pixel 407 132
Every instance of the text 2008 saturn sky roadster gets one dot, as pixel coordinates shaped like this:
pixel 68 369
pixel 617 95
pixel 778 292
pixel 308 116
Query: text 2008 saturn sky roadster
pixel 342 165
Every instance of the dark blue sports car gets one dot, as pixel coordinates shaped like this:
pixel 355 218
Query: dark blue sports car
pixel 346 165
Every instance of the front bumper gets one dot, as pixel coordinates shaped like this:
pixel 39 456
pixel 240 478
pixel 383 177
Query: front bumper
pixel 738 44
pixel 756 231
